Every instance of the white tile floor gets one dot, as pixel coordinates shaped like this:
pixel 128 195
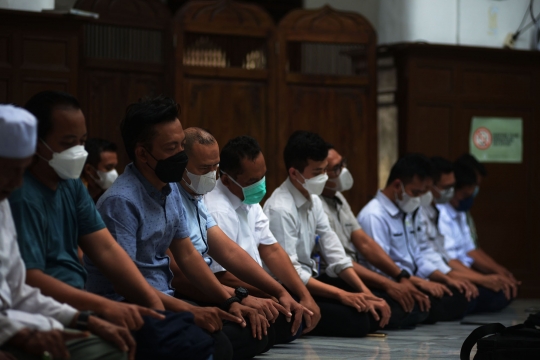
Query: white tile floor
pixel 439 341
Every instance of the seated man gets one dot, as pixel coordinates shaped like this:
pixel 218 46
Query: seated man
pixel 234 205
pixel 199 178
pixel 54 214
pixel 409 306
pixel 32 324
pixel 482 261
pixel 99 171
pixel 496 290
pixel 388 219
pixel 298 222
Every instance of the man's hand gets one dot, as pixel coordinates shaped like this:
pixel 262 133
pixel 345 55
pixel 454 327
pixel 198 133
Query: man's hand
pixel 259 324
pixel 119 336
pixel 210 318
pixel 359 301
pixel 381 307
pixel 434 289
pixel 402 293
pixel 127 315
pixel 497 283
pixel 266 307
pixel 312 314
pixel 35 342
pixel 292 307
pixel 422 299
pixel 465 287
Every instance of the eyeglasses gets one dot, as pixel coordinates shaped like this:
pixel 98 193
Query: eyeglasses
pixel 336 170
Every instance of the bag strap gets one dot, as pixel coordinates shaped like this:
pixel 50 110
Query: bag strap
pixel 476 335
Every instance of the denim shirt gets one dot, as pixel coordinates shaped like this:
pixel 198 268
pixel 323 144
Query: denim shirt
pixel 144 221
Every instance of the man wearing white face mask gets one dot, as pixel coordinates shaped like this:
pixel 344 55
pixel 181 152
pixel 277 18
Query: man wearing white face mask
pixel 408 304
pixel 99 172
pixel 388 219
pixel 299 224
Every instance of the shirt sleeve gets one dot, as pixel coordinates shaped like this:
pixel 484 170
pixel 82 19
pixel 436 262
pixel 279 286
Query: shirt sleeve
pixel 262 227
pixel 331 248
pixel 122 219
pixel 377 229
pixel 210 221
pixel 30 223
pixel 349 216
pixel 88 217
pixel 283 226
pixel 182 231
pixel 427 258
pixel 228 222
pixel 451 244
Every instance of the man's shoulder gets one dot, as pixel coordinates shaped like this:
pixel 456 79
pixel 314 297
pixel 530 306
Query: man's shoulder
pixel 217 201
pixel 124 189
pixel 281 198
pixel 372 208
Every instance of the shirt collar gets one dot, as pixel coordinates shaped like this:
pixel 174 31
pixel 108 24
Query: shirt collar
pixel 299 198
pixel 233 199
pixel 150 189
pixel 387 204
pixel 451 211
pixel 186 193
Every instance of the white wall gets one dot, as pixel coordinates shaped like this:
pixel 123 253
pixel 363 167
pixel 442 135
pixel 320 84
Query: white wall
pixel 458 22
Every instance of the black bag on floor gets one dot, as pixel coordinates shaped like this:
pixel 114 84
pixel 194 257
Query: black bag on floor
pixel 515 342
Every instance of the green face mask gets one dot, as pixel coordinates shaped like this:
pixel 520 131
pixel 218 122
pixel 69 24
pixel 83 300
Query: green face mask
pixel 253 193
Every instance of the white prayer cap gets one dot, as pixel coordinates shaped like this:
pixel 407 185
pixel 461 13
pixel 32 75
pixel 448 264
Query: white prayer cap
pixel 18 132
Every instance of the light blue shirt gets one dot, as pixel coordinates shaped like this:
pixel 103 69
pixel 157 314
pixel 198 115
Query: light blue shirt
pixel 457 234
pixel 144 221
pixel 199 221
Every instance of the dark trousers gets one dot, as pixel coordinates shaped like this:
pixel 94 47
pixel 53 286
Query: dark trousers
pixel 447 308
pixel 400 319
pixel 338 320
pixel 488 301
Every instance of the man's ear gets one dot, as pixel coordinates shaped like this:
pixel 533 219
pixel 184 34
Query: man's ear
pixel 89 171
pixel 141 154
pixel 292 173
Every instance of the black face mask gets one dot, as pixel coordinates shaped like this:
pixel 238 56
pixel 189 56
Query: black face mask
pixel 171 169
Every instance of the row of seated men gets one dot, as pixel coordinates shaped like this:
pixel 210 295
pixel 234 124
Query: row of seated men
pixel 182 262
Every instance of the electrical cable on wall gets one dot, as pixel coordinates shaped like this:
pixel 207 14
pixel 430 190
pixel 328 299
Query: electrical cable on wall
pixel 511 38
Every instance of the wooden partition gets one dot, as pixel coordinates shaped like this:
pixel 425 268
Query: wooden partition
pixel 126 56
pixel 224 67
pixel 438 90
pixel 327 84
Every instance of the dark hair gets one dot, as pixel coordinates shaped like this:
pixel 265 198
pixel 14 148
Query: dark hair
pixel 197 135
pixel 140 119
pixel 440 166
pixel 303 146
pixel 42 104
pixel 237 149
pixel 471 161
pixel 465 175
pixel 409 166
pixel 95 147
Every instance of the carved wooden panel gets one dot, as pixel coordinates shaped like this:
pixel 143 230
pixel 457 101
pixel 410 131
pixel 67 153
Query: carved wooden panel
pixel 435 80
pixel 4 91
pixel 436 120
pixel 516 84
pixel 45 53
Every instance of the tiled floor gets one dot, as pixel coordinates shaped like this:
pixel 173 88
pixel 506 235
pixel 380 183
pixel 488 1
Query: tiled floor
pixel 439 341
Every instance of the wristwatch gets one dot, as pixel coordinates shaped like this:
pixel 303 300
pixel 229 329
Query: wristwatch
pixel 227 304
pixel 82 320
pixel 241 293
pixel 403 274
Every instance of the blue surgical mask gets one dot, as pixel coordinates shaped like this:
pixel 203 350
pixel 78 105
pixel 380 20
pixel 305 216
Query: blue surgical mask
pixel 254 193
pixel 466 204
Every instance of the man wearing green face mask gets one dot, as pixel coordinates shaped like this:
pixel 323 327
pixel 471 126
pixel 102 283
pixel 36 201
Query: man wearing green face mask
pixel 234 204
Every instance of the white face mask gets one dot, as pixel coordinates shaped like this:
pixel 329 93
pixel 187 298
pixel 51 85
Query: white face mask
pixel 315 185
pixel 426 199
pixel 343 182
pixel 105 179
pixel 201 184
pixel 407 204
pixel 69 163
pixel 445 195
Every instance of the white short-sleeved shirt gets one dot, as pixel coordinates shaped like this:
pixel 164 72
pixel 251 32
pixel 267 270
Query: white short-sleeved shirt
pixel 457 234
pixel 23 306
pixel 342 221
pixel 296 221
pixel 394 231
pixel 246 225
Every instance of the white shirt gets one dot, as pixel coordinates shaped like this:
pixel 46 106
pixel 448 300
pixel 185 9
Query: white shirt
pixel 22 306
pixel 295 222
pixel 428 218
pixel 457 234
pixel 246 225
pixel 342 221
pixel 394 231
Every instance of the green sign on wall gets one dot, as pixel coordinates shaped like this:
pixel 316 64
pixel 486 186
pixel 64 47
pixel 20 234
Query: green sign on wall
pixel 496 139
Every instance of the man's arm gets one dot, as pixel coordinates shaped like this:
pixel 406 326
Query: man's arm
pixel 228 279
pixel 117 266
pixel 374 254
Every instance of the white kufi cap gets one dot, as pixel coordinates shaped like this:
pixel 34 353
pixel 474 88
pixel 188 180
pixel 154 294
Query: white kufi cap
pixel 18 132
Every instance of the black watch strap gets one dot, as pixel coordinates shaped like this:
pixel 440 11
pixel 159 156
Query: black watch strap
pixel 82 320
pixel 227 303
pixel 403 274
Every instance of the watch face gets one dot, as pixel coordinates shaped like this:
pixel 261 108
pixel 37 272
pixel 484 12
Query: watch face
pixel 241 292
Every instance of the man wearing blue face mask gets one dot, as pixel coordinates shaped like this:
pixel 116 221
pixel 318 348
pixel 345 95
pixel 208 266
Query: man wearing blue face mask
pixel 299 224
pixel 388 219
pixel 458 238
pixel 234 204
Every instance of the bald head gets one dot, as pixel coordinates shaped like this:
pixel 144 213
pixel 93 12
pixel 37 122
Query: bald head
pixel 195 135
